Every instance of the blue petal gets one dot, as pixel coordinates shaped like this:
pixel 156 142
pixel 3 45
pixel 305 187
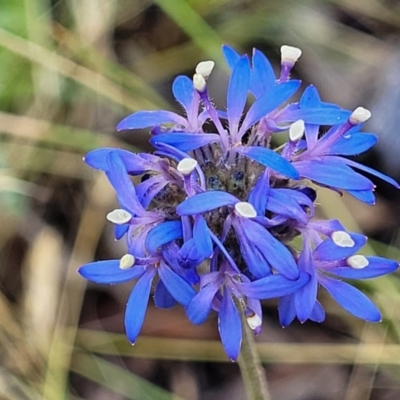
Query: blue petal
pixel 237 92
pixel 273 286
pixel 230 326
pixel 120 230
pixel 185 141
pixel 179 289
pixel 202 237
pixel 268 158
pixel 123 186
pixel 310 98
pixel 183 91
pixel 163 233
pixel 258 196
pixel 205 201
pixel 230 55
pixel 329 251
pixel 352 144
pixel 135 164
pixel 189 255
pixel 200 306
pixel 146 119
pixel 377 266
pixel 351 299
pixel 287 311
pixel 329 172
pixel 305 298
pixel 262 78
pixel 371 171
pixel 253 239
pixel 162 298
pixel 316 116
pixel 318 313
pixel 108 271
pixel 137 305
pixel 366 196
pixel 267 103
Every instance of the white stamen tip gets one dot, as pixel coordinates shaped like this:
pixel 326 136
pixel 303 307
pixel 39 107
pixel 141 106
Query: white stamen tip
pixel 254 321
pixel 127 261
pixel 186 166
pixel 119 216
pixel 290 54
pixel 357 262
pixel 359 115
pixel 342 239
pixel 205 68
pixel 296 130
pixel 199 82
pixel 245 209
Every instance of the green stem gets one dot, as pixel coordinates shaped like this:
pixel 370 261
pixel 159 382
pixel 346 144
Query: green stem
pixel 252 371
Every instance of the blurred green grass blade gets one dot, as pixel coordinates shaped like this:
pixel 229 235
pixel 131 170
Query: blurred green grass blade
pixel 87 78
pixel 117 379
pixel 194 26
pixel 149 347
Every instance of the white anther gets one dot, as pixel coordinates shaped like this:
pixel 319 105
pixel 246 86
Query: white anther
pixel 186 166
pixel 199 82
pixel 245 209
pixel 254 321
pixel 205 68
pixel 359 115
pixel 296 130
pixel 127 261
pixel 119 216
pixel 290 54
pixel 357 262
pixel 342 239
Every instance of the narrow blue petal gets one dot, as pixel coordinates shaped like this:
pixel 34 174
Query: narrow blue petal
pixel 366 196
pixel 333 173
pixel 316 116
pixel 351 299
pixel 205 201
pixel 273 286
pixel 287 311
pixel 268 158
pixel 135 164
pixel 310 98
pixel 200 306
pixel 305 297
pixel 189 255
pixel 179 289
pixel 267 103
pixel 237 92
pixel 148 189
pixel 120 230
pixel 230 326
pixel 201 236
pixel 318 313
pixel 377 266
pixel 183 91
pixel 185 141
pixel 258 196
pixel 329 251
pixel 162 298
pixel 371 171
pixel 163 233
pixel 258 239
pixel 262 78
pixel 231 56
pixel 146 119
pixel 108 271
pixel 352 144
pixel 137 305
pixel 123 186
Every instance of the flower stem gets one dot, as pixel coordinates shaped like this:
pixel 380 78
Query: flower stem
pixel 252 371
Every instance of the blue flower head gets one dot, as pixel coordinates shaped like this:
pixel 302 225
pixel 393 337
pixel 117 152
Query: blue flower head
pixel 211 224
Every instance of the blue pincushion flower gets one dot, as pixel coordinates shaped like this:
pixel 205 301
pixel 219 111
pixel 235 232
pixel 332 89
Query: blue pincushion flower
pixel 212 223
